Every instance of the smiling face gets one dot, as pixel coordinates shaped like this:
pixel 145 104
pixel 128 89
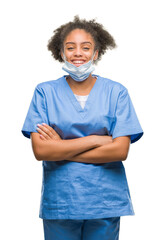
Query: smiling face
pixel 79 47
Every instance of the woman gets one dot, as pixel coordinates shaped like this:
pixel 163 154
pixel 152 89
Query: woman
pixel 81 126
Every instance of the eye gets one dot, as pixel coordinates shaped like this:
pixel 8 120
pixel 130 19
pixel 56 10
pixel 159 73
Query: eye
pixel 86 48
pixel 70 48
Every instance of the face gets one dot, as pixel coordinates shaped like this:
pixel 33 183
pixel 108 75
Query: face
pixel 79 47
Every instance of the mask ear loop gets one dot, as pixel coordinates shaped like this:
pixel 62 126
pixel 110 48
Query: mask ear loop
pixel 63 55
pixel 93 55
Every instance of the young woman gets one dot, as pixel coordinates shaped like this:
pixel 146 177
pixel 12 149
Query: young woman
pixel 81 126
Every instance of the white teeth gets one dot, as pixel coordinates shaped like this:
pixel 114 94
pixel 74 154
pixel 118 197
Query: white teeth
pixel 78 61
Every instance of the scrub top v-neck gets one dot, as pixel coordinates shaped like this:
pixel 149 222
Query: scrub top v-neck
pixel 92 95
pixel 75 190
pixel 81 99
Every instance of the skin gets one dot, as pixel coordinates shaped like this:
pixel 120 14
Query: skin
pixel 79 45
pixel 48 145
pixel 105 150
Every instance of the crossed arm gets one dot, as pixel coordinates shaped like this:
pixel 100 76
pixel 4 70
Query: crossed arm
pixel 47 145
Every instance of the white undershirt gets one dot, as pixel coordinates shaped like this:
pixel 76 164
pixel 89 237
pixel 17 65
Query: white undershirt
pixel 82 99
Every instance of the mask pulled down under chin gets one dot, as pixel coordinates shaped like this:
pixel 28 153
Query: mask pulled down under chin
pixel 80 73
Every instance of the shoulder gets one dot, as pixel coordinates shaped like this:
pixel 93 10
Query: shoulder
pixel 47 85
pixel 112 85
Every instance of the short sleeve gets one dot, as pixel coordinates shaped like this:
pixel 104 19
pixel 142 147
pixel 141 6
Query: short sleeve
pixel 36 114
pixel 126 121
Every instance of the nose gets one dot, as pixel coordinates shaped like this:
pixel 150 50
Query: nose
pixel 77 52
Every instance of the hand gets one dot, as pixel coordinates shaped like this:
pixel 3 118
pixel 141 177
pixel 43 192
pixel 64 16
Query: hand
pixel 47 132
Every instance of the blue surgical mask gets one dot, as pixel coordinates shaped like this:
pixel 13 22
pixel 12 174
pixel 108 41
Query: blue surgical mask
pixel 80 73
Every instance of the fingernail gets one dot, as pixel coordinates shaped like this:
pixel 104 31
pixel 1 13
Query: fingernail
pixel 38 125
pixel 44 124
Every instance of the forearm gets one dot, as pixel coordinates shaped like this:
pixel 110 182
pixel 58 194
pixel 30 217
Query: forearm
pixel 52 150
pixel 111 152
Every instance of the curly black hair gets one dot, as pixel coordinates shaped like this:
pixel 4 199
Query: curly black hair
pixel 103 40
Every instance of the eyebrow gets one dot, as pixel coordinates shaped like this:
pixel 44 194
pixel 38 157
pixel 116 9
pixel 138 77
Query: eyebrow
pixel 81 43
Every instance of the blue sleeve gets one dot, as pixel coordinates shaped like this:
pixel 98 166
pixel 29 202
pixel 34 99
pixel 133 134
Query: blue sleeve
pixel 36 114
pixel 126 121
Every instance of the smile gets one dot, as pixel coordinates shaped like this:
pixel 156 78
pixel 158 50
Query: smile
pixel 78 62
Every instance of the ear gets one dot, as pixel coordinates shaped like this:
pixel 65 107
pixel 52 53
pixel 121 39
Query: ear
pixel 96 55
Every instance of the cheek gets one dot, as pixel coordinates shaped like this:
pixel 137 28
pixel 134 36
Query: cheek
pixel 68 55
pixel 88 55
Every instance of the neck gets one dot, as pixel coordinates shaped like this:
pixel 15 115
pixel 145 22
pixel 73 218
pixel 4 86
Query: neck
pixel 83 86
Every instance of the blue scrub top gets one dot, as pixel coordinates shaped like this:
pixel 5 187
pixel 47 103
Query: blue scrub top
pixel 73 190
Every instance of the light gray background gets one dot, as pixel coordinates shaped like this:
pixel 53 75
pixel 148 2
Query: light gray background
pixel 137 63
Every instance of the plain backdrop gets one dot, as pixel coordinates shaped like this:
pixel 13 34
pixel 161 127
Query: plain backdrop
pixel 137 63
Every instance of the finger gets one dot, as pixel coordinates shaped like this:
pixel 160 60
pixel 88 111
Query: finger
pixel 49 128
pixel 42 137
pixel 45 130
pixel 43 133
pixel 53 133
pixel 50 131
